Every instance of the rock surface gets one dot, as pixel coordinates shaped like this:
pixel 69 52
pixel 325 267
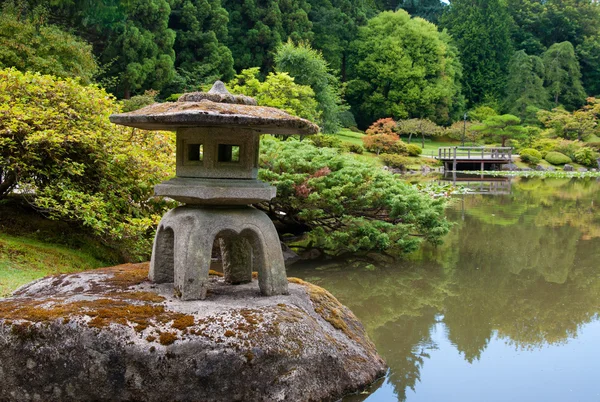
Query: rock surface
pixel 109 334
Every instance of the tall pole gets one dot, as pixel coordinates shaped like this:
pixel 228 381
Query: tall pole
pixel 464 129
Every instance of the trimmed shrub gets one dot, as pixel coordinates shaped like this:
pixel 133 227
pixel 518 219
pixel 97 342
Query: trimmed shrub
pixel 556 158
pixel 530 156
pixel 395 161
pixel 413 150
pixel 325 141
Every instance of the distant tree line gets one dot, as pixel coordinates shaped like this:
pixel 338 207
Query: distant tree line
pixel 376 58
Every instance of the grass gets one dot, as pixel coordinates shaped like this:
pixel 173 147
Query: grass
pixel 32 247
pixel 23 260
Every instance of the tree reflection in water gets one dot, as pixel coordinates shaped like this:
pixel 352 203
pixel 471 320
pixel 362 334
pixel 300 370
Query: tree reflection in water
pixel 521 267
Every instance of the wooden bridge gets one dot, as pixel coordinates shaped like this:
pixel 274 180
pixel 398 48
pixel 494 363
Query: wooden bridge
pixel 473 158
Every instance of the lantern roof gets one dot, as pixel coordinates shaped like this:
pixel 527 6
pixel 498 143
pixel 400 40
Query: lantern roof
pixel 216 108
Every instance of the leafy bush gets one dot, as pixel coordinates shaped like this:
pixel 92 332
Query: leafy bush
pixel 530 155
pixel 569 148
pixel 346 205
pixel 396 161
pixel 352 147
pixel 413 150
pixel 139 101
pixel 325 140
pixel 386 143
pixel 545 145
pixel 556 158
pixel 59 148
pixel 587 157
pixel 30 46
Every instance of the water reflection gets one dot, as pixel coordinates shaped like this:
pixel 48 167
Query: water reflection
pixel 517 280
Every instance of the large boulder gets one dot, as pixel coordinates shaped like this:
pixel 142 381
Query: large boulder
pixel 109 334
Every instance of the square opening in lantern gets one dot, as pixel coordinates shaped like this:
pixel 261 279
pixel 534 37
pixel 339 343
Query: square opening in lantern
pixel 195 152
pixel 229 153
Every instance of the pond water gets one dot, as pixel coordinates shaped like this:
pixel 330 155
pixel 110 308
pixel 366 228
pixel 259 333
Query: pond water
pixel 507 309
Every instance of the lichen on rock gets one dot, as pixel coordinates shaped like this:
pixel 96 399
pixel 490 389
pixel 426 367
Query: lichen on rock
pixel 110 334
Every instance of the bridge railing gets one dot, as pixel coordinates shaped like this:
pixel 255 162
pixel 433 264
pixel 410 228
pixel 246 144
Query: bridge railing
pixel 491 153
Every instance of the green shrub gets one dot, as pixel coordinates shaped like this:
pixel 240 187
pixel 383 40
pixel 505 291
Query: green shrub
pixel 325 141
pixel 71 163
pixel 396 161
pixel 400 148
pixel 139 101
pixel 587 157
pixel 349 206
pixel 567 147
pixel 530 155
pixel 545 145
pixel 556 158
pixel 413 150
pixel 352 147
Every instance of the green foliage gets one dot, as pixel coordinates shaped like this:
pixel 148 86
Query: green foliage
pixel 588 54
pixel 556 158
pixel 202 57
pixel 502 128
pixel 139 101
pixel 278 90
pixel 563 78
pixel 525 87
pixel 347 206
pixel 413 150
pixel 257 28
pixel 396 161
pixel 325 140
pixel 140 51
pixel 347 119
pixel 579 125
pixel 530 155
pixel 335 25
pixel 402 67
pixel 32 46
pixel 481 30
pixel 430 10
pixel 72 164
pixel 352 147
pixel 308 67
pixel 481 113
pixel 423 127
pixel 587 157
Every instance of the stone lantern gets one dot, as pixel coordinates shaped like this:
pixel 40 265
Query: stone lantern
pixel 216 177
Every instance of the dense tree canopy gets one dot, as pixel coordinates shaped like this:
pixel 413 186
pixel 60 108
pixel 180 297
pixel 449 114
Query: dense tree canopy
pixel 256 28
pixel 28 45
pixel 402 67
pixel 308 67
pixel 563 77
pixel 200 28
pixel 481 30
pixel 525 92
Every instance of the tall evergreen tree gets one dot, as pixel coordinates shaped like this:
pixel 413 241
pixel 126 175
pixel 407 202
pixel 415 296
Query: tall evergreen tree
pixel 257 27
pixel 525 87
pixel 481 30
pixel 201 32
pixel 563 78
pixel 588 54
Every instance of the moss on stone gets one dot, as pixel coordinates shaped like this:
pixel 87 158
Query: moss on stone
pixel 167 338
pixel 182 322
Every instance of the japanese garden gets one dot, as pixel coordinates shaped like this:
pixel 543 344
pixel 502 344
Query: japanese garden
pixel 381 200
